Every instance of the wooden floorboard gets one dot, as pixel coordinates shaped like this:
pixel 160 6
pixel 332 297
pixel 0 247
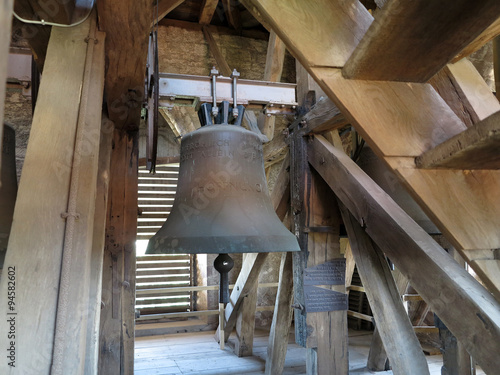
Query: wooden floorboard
pixel 198 353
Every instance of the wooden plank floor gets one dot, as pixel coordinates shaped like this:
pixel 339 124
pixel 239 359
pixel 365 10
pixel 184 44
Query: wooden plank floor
pixel 197 353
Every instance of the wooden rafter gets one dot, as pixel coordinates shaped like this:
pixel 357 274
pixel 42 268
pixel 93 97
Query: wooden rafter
pixel 491 32
pixel 165 7
pixel 224 68
pixel 207 11
pixel 399 121
pixel 412 41
pixel 444 283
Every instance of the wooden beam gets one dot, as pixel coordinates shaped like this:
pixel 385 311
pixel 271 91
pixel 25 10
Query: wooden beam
pixel 395 329
pixel 207 11
pixel 245 322
pixel 323 117
pixel 224 68
pixel 487 35
pixel 232 13
pixel 47 173
pixel 274 67
pixel 399 121
pixel 475 148
pixel 74 287
pixel 411 42
pixel 5 22
pixel 98 241
pixel 164 8
pixel 126 53
pixel 443 283
pixel 282 319
pixel 116 355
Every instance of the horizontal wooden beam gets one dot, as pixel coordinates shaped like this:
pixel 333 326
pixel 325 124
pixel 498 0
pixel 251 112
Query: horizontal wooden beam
pixel 412 41
pixel 430 270
pixel 475 148
pixel 323 117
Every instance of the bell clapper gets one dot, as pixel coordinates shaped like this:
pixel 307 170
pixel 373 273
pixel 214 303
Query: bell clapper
pixel 223 264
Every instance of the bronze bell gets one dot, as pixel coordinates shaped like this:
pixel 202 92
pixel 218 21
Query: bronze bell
pixel 222 203
pixel 8 188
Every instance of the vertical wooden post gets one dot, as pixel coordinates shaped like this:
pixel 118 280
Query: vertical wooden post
pixel 51 260
pixel 116 355
pixel 282 319
pixel 101 205
pixel 5 26
pixel 245 322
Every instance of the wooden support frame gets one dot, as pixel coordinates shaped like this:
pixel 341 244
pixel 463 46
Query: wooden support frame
pixel 475 148
pixel 399 121
pixel 394 327
pixel 165 7
pixel 444 283
pixel 64 144
pixel 410 42
pixel 126 57
pixel 116 354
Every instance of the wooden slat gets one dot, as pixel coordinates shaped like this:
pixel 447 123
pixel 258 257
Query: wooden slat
pixel 475 148
pixel 443 283
pixel 393 325
pixel 491 32
pixel 207 11
pixel 126 57
pixel 412 41
pixel 37 255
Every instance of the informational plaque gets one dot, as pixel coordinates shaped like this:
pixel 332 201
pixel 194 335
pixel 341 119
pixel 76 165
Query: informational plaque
pixel 320 299
pixel 329 273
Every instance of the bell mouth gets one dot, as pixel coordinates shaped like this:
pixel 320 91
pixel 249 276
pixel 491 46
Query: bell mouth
pixel 223 244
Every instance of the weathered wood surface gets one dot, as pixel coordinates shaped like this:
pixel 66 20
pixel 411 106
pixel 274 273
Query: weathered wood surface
pixel 490 33
pixel 42 199
pixel 412 41
pixel 326 331
pixel 222 65
pixel 396 119
pixel 126 53
pixel 5 22
pixel 98 241
pixel 412 250
pixel 207 11
pixel 323 117
pixel 245 323
pixel 74 287
pixel 116 345
pixel 475 148
pixel 274 67
pixel 282 319
pixel 473 91
pixel 394 327
pixel 328 48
